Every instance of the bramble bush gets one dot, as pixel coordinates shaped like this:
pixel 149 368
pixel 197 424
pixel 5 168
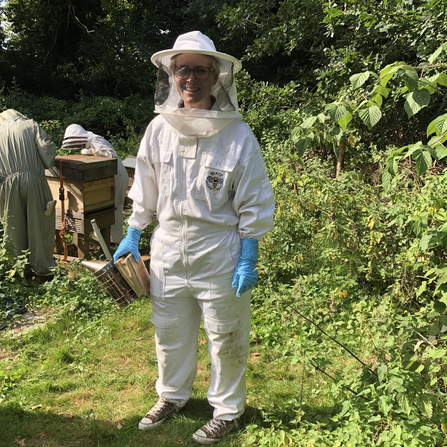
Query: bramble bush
pixel 365 265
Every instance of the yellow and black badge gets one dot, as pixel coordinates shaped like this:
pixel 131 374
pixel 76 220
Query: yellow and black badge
pixel 214 181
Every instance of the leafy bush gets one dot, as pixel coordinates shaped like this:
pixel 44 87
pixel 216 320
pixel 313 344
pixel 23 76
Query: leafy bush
pixel 74 292
pixel 121 121
pixel 14 291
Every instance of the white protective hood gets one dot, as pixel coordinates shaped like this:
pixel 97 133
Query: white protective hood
pixel 10 116
pixel 76 137
pixel 189 122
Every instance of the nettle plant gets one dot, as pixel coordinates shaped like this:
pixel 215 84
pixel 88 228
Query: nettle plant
pixel 340 124
pixel 417 216
pixel 13 291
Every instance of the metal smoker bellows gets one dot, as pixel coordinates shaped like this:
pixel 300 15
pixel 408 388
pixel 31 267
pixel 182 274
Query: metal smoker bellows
pixel 109 276
pixel 126 280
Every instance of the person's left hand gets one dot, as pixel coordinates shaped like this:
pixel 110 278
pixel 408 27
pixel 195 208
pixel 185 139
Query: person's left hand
pixel 246 275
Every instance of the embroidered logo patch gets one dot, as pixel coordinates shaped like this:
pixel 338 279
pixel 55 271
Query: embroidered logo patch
pixel 214 181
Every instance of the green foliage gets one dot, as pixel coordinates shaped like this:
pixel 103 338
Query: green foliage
pixel 327 42
pixel 353 279
pixel 268 109
pixel 402 402
pixel 75 292
pixel 15 293
pixel 100 47
pixel 351 258
pixel 343 122
pixel 121 121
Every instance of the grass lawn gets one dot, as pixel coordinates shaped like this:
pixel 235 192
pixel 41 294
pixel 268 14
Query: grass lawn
pixel 66 386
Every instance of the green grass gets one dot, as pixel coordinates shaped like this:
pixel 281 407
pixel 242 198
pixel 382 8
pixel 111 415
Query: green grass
pixel 88 375
pixel 69 387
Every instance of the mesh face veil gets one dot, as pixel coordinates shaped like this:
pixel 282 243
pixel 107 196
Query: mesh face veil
pixel 189 121
pixel 75 137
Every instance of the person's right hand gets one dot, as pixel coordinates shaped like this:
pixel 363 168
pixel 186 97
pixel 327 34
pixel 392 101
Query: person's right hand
pixel 129 244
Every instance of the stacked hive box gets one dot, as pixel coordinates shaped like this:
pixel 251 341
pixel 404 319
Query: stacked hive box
pixel 89 192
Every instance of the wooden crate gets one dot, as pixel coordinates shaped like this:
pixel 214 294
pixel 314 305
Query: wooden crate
pixel 83 167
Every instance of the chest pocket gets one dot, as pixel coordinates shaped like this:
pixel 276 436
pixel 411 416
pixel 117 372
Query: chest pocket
pixel 161 162
pixel 214 179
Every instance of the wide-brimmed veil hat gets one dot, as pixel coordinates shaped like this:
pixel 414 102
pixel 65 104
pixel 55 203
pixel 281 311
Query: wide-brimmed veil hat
pixel 196 43
pixel 190 121
pixel 75 137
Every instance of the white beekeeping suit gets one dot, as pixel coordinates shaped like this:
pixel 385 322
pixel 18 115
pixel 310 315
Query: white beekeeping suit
pixel 201 174
pixel 76 137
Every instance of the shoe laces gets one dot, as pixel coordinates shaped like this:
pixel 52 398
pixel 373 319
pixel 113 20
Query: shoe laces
pixel 159 407
pixel 216 425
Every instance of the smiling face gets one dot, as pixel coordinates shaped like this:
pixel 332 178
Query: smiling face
pixel 196 93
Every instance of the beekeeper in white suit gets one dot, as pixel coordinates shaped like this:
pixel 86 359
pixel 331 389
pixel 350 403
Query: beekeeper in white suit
pixel 201 174
pixel 76 137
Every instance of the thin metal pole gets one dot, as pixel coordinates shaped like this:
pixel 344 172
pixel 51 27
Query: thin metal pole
pixel 101 240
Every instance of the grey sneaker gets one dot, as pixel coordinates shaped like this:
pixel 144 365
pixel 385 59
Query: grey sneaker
pixel 214 431
pixel 157 414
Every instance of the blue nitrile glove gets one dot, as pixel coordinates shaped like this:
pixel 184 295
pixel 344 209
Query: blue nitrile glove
pixel 245 276
pixel 129 244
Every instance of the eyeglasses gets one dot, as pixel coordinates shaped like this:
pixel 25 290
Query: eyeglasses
pixel 201 73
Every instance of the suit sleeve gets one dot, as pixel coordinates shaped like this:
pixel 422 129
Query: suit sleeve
pixel 144 191
pixel 45 147
pixel 254 201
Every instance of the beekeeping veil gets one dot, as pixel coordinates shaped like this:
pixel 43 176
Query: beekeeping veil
pixel 75 137
pixel 189 122
pixel 11 116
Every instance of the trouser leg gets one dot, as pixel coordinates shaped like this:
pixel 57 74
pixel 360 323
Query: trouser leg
pixel 227 324
pixel 41 240
pixel 17 229
pixel 177 322
pixel 39 226
pixel 117 227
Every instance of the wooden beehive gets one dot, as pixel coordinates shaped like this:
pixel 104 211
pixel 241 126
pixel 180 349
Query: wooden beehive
pixel 89 193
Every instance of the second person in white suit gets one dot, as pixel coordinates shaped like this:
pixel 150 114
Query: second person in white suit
pixel 76 137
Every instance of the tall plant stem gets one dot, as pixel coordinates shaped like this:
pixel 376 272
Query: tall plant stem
pixel 340 157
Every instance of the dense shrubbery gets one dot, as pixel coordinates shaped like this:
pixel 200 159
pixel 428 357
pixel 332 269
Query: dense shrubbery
pixel 121 121
pixel 364 263
pixel 367 268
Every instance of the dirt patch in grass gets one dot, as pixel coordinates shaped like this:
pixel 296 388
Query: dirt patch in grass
pixel 27 321
pixel 4 354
